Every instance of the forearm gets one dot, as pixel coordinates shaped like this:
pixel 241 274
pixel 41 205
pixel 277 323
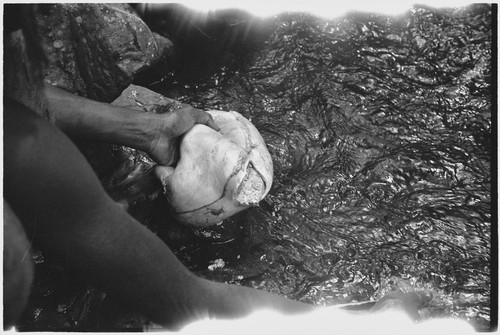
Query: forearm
pixel 62 205
pixel 81 117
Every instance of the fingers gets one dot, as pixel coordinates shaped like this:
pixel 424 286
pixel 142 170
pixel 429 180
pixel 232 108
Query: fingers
pixel 188 116
pixel 417 298
pixel 423 297
pixel 408 302
pixel 204 118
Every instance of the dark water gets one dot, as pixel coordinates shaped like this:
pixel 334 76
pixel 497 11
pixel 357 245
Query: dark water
pixel 380 132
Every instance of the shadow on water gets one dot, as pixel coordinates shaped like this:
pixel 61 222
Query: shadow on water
pixel 380 132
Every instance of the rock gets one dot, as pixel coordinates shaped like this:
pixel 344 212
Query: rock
pixel 145 100
pixel 96 50
pixel 218 173
pixel 133 179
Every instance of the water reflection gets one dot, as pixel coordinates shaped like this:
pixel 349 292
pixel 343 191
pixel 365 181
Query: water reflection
pixel 380 131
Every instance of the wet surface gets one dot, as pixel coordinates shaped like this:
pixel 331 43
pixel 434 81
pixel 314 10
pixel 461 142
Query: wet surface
pixel 380 132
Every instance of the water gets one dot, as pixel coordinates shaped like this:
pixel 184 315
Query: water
pixel 380 132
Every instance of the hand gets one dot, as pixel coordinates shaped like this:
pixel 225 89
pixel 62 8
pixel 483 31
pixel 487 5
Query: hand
pixel 169 127
pixel 155 134
pixel 406 302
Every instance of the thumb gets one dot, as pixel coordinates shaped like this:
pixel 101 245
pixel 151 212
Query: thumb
pixel 206 119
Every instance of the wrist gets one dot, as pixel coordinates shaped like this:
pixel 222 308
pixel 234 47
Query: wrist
pixel 81 117
pixel 140 130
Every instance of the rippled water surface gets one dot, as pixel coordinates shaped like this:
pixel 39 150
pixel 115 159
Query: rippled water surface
pixel 380 132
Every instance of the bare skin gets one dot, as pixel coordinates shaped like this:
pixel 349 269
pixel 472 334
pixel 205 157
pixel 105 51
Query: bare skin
pixel 52 191
pixel 55 194
pixel 155 134
pixel 58 198
pixel 18 269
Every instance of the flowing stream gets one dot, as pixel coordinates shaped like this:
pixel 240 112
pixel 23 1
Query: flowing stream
pixel 380 132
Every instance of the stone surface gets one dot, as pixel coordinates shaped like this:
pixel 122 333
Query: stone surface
pixel 132 178
pixel 218 173
pixel 144 100
pixel 96 50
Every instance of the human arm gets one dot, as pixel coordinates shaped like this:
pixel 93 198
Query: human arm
pixel 63 207
pixel 60 202
pixel 154 134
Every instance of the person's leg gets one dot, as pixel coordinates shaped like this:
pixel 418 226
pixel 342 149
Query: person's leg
pixel 17 267
pixel 61 203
